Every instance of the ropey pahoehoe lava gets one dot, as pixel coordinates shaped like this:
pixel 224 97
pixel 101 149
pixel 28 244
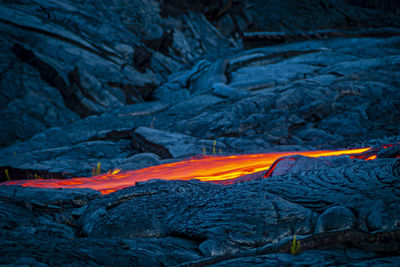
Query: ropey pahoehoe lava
pixel 211 169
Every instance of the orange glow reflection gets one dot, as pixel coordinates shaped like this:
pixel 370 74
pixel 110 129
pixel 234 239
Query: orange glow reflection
pixel 371 157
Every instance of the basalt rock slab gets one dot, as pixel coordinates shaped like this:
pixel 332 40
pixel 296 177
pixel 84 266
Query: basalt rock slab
pixel 365 247
pixel 89 58
pixel 313 258
pixel 40 213
pixel 335 219
pixel 94 252
pixel 298 163
pixel 170 145
pixel 88 70
pixel 63 198
pixel 259 39
pixel 43 222
pixel 224 219
pixel 369 189
pixel 306 94
pixel 289 16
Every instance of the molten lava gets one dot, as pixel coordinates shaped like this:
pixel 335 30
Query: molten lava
pixel 211 169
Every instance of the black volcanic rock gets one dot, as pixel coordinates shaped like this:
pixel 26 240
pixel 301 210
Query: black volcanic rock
pixel 132 83
pixel 73 60
pixel 89 58
pixel 289 15
pixel 226 218
pixel 335 219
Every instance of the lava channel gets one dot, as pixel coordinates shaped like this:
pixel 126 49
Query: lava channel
pixel 218 169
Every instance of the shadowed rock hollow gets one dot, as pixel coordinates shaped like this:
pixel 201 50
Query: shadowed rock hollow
pixel 132 84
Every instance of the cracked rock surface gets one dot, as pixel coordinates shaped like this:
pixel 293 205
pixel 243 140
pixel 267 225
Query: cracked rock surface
pixel 131 83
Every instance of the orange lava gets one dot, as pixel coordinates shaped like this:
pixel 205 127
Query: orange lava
pixel 211 169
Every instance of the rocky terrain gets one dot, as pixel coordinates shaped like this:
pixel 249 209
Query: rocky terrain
pixel 131 84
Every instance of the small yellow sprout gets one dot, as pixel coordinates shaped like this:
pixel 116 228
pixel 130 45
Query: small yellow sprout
pixel 98 170
pixel 295 247
pixel 7 174
pixel 215 143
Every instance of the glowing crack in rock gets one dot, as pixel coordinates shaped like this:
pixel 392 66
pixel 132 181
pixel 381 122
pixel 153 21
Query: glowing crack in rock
pixel 211 169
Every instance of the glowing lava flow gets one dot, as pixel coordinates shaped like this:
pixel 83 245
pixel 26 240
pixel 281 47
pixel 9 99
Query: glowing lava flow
pixel 208 169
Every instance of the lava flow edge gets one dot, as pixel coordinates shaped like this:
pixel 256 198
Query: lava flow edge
pixel 209 169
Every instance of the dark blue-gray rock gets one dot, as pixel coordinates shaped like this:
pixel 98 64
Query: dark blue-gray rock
pixel 224 91
pixel 335 219
pixel 296 164
pixel 224 220
pixel 368 189
pixel 38 212
pixel 132 83
pixel 66 68
pixel 170 145
pixel 352 257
